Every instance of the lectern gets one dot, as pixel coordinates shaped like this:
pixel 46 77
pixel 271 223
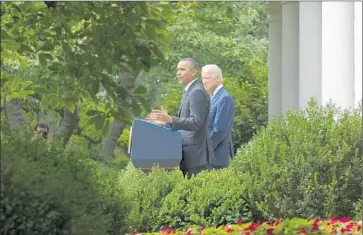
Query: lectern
pixel 153 144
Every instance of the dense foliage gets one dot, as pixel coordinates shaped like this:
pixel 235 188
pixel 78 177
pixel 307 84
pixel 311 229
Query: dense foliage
pixel 83 67
pixel 47 191
pixel 308 164
pixel 232 35
pixel 87 69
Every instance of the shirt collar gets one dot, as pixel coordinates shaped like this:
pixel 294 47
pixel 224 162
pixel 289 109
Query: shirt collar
pixel 216 90
pixel 189 84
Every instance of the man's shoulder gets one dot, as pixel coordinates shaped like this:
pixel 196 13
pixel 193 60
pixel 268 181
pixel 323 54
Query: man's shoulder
pixel 224 95
pixel 198 87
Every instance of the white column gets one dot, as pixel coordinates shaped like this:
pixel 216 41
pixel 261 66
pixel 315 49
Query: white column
pixel 358 52
pixel 274 58
pixel 290 56
pixel 338 53
pixel 310 52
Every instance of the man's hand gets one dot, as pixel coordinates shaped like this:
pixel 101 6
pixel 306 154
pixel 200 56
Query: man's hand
pixel 157 116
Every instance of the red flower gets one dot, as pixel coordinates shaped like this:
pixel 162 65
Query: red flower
pixel 270 231
pixel 315 227
pixel 239 222
pixel 349 226
pixel 359 227
pixel 334 231
pixel 253 226
pixel 167 230
pixel 189 231
pixel 229 230
pixel 303 231
pixel 344 219
pixel 201 229
pixel 332 221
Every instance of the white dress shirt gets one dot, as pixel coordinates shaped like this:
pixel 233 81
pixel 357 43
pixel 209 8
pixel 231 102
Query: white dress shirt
pixel 189 84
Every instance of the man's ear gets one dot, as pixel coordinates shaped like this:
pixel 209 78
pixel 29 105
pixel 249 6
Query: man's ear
pixel 195 72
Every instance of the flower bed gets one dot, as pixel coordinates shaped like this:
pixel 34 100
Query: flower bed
pixel 293 226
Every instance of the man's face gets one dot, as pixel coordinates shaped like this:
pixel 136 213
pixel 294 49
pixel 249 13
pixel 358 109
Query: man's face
pixel 210 81
pixel 41 130
pixel 185 72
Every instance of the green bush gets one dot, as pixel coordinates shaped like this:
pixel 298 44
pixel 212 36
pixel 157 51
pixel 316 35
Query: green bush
pixel 146 193
pixel 307 165
pixel 47 191
pixel 209 199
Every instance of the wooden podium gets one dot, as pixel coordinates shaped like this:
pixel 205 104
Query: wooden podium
pixel 151 144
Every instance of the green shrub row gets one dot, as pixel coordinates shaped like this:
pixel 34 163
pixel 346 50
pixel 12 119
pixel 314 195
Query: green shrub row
pixel 307 165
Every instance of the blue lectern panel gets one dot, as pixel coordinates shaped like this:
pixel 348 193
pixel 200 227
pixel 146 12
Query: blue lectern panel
pixel 153 144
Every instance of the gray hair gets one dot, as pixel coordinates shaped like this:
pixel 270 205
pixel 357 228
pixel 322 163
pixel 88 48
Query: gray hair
pixel 192 61
pixel 214 69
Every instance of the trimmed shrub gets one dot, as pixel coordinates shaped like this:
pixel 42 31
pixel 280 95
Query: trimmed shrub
pixel 209 199
pixel 307 165
pixel 47 191
pixel 146 193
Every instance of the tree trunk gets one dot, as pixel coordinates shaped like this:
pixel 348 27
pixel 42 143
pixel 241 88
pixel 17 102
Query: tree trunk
pixel 116 128
pixel 109 144
pixel 67 126
pixel 14 115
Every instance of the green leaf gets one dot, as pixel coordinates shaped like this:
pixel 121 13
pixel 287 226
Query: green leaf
pixel 26 85
pixel 66 47
pixel 108 81
pixel 55 67
pixel 136 108
pixel 140 90
pixel 69 104
pixel 144 103
pixel 5 35
pixel 54 102
pixel 42 60
pixel 95 87
pixel 47 47
pixel 93 112
pixel 98 121
pixel 44 57
pixel 83 94
pixel 121 114
pixel 25 48
pixel 157 52
pixel 41 90
pixel 46 101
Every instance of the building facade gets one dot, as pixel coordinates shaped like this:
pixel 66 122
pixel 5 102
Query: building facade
pixel 315 50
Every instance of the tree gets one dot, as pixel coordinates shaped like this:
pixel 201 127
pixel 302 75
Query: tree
pixel 232 35
pixel 83 47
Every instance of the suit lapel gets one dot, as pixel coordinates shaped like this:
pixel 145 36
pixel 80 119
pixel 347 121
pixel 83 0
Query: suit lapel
pixel 216 96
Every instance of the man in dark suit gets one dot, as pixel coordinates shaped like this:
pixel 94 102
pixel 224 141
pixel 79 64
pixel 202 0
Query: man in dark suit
pixel 221 115
pixel 192 120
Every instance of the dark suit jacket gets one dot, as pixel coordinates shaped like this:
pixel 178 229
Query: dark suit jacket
pixel 192 122
pixel 220 127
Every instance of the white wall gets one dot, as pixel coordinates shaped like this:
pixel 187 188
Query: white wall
pixel 358 51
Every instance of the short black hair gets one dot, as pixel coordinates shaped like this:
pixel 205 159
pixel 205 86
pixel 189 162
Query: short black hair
pixel 41 125
pixel 192 61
